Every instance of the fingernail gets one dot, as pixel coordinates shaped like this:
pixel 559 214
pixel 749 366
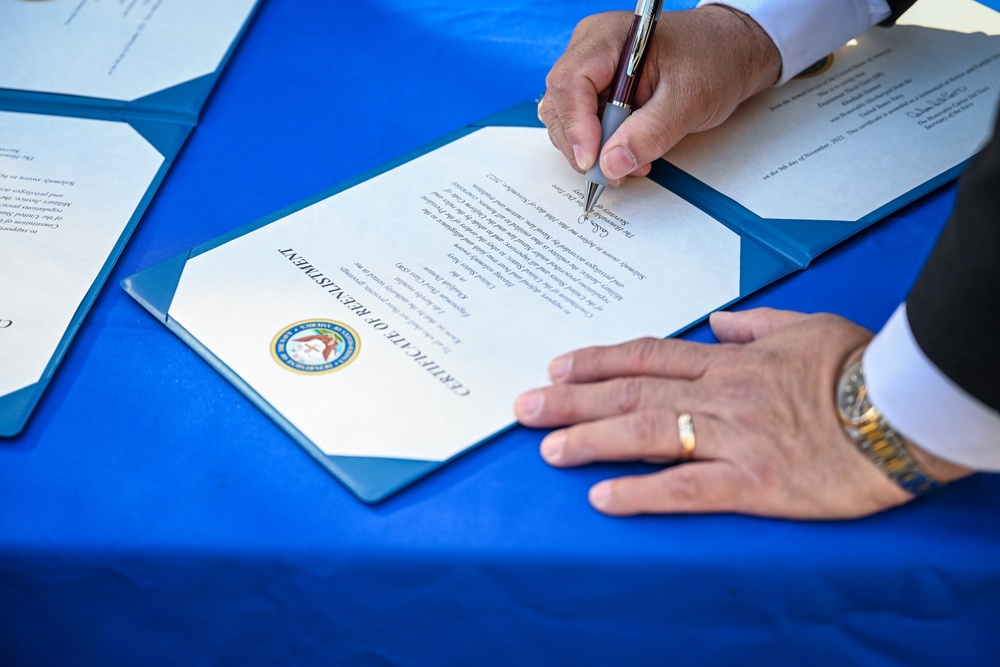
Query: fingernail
pixel 553 445
pixel 600 495
pixel 582 159
pixel 528 404
pixel 560 367
pixel 619 162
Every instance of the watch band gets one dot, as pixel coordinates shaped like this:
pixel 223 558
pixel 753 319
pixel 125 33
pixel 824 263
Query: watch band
pixel 877 439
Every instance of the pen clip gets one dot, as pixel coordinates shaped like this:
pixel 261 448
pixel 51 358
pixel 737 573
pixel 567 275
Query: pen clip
pixel 648 12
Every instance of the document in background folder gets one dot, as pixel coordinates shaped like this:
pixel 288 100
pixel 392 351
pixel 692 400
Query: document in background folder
pixel 114 50
pixel 96 100
pixel 887 113
pixel 389 326
pixel 68 188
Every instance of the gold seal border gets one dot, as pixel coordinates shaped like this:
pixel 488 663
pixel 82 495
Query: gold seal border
pixel 357 346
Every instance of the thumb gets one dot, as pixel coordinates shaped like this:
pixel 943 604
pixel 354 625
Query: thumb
pixel 750 325
pixel 642 138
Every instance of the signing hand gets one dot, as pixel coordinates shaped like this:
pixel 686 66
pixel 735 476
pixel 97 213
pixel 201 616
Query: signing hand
pixel 768 438
pixel 703 63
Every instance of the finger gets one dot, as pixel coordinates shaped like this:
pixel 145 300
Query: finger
pixel 557 135
pixel 639 436
pixel 750 325
pixel 712 486
pixel 651 130
pixel 572 403
pixel 642 171
pixel 576 81
pixel 575 128
pixel 643 356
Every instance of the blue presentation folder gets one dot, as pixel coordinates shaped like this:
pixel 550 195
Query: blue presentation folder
pixel 164 119
pixel 770 249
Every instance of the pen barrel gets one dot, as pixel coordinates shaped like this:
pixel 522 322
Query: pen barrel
pixel 624 85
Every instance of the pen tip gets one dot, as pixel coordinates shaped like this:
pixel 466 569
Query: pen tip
pixel 594 191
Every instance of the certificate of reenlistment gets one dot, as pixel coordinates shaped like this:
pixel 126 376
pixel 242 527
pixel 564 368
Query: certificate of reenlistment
pixel 389 326
pixel 419 303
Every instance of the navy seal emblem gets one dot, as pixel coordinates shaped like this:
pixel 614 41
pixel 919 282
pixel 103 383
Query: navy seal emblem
pixel 315 346
pixel 817 67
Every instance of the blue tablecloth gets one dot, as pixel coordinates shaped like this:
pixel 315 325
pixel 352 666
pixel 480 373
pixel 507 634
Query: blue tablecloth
pixel 149 515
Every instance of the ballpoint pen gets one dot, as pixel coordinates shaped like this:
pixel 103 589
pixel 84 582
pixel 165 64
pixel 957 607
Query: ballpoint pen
pixel 623 86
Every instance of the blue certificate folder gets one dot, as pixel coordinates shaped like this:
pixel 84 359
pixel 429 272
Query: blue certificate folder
pixel 164 119
pixel 770 249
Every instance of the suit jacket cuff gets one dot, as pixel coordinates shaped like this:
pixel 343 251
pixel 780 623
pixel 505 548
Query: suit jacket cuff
pixel 924 404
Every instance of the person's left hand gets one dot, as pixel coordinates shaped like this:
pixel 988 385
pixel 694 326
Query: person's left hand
pixel 769 441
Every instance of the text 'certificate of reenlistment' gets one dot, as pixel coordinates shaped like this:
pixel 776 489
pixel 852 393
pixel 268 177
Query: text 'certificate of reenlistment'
pixel 400 318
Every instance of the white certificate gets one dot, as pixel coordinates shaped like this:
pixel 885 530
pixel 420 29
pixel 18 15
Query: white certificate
pixel 68 189
pixel 401 318
pixel 899 106
pixel 114 50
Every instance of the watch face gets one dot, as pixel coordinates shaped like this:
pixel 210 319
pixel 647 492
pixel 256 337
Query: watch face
pixel 851 394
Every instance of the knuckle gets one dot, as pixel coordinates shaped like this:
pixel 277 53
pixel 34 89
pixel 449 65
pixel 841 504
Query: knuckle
pixel 646 429
pixel 758 482
pixel 685 487
pixel 659 130
pixel 585 27
pixel 559 79
pixel 741 389
pixel 628 395
pixel 759 473
pixel 559 404
pixel 547 114
pixel 643 351
pixel 552 135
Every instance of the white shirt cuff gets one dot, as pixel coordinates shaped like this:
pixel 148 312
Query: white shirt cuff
pixel 926 406
pixel 806 30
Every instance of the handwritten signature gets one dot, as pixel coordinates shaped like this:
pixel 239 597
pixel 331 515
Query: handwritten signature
pixel 594 227
pixel 935 102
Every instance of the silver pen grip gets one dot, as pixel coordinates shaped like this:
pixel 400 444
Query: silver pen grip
pixel 614 116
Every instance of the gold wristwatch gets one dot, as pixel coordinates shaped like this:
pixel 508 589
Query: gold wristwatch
pixel 864 424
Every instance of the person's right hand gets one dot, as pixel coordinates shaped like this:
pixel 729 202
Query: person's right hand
pixel 702 64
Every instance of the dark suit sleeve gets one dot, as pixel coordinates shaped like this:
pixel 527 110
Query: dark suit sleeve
pixel 897 7
pixel 954 306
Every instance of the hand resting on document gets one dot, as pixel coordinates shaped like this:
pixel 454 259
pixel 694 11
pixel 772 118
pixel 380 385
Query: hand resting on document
pixel 769 441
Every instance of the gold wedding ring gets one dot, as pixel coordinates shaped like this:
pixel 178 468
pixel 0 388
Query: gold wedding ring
pixel 685 433
pixel 538 109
